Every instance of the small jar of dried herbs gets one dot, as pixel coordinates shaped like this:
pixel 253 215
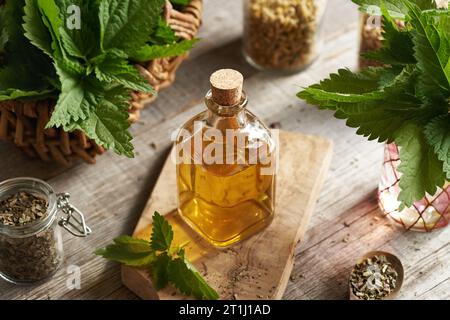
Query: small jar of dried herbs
pixel 283 35
pixel 31 246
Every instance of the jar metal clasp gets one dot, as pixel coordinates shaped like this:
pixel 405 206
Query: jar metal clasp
pixel 73 220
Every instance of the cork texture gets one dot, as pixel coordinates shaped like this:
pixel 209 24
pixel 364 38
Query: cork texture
pixel 226 87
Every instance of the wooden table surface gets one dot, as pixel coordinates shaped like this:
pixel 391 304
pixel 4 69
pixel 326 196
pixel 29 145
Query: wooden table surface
pixel 346 221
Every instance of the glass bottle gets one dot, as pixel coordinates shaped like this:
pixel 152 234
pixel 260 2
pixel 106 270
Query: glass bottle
pixel 226 166
pixel 34 251
pixel 283 35
pixel 428 214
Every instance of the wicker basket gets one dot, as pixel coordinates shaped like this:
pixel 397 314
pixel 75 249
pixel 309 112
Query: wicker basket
pixel 23 123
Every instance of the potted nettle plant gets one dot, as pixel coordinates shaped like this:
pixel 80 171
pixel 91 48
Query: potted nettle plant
pixel 74 74
pixel 405 104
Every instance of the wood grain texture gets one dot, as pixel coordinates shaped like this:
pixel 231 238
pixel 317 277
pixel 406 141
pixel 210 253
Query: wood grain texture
pixel 259 267
pixel 114 192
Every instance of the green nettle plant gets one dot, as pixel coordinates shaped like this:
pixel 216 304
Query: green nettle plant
pixel 407 102
pixel 88 70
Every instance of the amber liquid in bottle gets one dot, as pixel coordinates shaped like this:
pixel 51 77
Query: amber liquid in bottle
pixel 227 202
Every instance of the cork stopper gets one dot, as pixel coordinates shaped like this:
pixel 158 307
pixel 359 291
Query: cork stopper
pixel 226 87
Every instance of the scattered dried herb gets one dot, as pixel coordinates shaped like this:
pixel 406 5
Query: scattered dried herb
pixel 29 258
pixel 282 34
pixel 373 279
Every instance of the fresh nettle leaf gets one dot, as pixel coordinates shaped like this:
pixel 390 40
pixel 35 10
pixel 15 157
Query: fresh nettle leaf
pixel 187 279
pixel 127 24
pixel 108 125
pixel 17 94
pixel 344 86
pixel 80 38
pixel 163 34
pixel 78 53
pixel 151 52
pixel 165 263
pixel 114 68
pixel 52 20
pixel 160 271
pixel 432 50
pixel 437 133
pixel 21 58
pixel 376 111
pixel 421 169
pixel 78 99
pixel 129 251
pixel 397 45
pixel 162 234
pixel 35 29
pixel 407 100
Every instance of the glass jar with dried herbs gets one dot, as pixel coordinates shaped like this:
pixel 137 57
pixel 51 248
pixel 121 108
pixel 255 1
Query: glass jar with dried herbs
pixel 283 35
pixel 31 246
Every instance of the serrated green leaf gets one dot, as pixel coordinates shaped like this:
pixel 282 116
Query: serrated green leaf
pixel 437 133
pixel 51 19
pixel 17 94
pixel 151 52
pixel 129 251
pixel 377 114
pixel 400 103
pixel 114 68
pixel 159 271
pixel 84 42
pixel 35 29
pixel 186 279
pixel 344 86
pixel 128 24
pixel 165 264
pixel 420 168
pixel 78 99
pixel 21 58
pixel 163 33
pixel 162 234
pixel 432 51
pixel 108 125
pixel 397 45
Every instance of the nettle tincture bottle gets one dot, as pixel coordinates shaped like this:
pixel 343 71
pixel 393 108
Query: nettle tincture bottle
pixel 226 166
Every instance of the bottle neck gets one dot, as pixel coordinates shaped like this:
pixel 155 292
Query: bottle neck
pixel 226 117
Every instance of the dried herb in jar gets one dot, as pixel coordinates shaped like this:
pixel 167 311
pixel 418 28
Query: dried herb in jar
pixel 31 257
pixel 282 34
pixel 373 279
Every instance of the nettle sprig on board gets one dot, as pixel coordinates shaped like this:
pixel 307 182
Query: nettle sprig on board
pixel 408 100
pixel 89 69
pixel 164 262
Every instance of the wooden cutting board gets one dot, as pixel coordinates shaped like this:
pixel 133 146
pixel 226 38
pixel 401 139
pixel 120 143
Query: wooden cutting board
pixel 258 268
